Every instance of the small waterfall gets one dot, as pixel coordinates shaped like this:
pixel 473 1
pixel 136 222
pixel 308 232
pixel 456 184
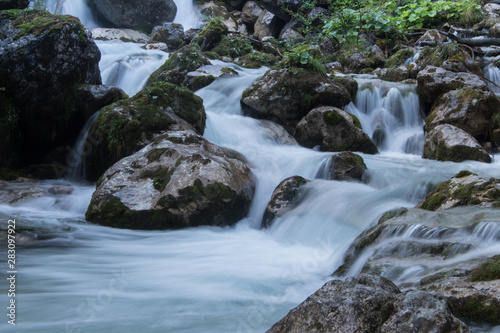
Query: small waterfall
pixel 77 8
pixel 77 155
pixel 128 65
pixel 390 114
pixel 186 14
pixel 492 73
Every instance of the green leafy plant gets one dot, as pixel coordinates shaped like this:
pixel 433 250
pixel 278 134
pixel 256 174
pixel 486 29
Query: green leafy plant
pixel 304 56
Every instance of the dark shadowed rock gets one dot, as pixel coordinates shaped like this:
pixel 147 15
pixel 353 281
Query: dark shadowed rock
pixel 180 180
pixel 435 81
pixel 13 4
pixel 128 125
pixel 449 143
pixel 91 98
pixel 333 130
pixel 283 199
pixel 141 15
pixel 44 58
pixel 287 95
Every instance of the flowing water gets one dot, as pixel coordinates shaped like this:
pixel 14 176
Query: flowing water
pixel 74 276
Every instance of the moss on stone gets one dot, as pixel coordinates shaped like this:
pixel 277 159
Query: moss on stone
pixel 477 308
pixel 399 58
pixel 233 46
pixel 488 271
pixel 333 118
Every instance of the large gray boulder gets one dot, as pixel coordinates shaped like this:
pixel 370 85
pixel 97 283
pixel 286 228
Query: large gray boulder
pixel 169 33
pixel 141 15
pixel 266 25
pixel 285 96
pixel 369 304
pixel 449 143
pixel 467 109
pixel 44 58
pixel 464 189
pixel 357 60
pixel 284 198
pixel 128 125
pixel 180 180
pixel 435 81
pixel 250 12
pixel 333 129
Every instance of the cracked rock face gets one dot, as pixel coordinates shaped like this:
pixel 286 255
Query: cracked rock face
pixel 180 180
pixel 369 304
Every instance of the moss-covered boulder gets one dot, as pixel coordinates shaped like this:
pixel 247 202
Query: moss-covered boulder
pixel 348 82
pixel 179 180
pixel 128 125
pixel 287 95
pixel 464 189
pixel 354 61
pixel 449 143
pixel 175 69
pixel 346 166
pixel 256 59
pixel 211 35
pixel 233 46
pixel 44 58
pixel 333 129
pixel 435 81
pixel 215 9
pixel 141 15
pixel 285 197
pixel 91 98
pixel 399 58
pixel 468 109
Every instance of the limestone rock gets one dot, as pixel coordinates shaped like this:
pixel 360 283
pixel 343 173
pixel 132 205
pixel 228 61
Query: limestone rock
pixel 250 12
pixel 464 189
pixel 169 33
pixel 449 143
pixel 467 109
pixel 333 130
pixel 284 198
pixel 128 125
pixel 141 15
pixel 435 81
pixel 179 180
pixel 431 37
pixel 356 61
pixel 266 25
pixel 287 95
pixel 122 35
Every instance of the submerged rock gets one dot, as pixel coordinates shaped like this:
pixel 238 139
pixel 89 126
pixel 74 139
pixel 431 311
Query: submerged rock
pixel 284 198
pixel 333 130
pixel 140 15
pixel 128 125
pixel 369 304
pixel 450 143
pixel 44 58
pixel 180 180
pixel 464 189
pixel 435 81
pixel 346 166
pixel 287 95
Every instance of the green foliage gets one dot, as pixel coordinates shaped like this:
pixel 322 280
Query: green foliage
pixel 305 56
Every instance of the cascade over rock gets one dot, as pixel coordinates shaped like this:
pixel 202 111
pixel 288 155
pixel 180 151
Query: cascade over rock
pixel 40 68
pixel 333 129
pixel 449 143
pixel 369 304
pixel 435 81
pixel 284 198
pixel 128 125
pixel 141 15
pixel 467 109
pixel 179 180
pixel 287 95
pixel 464 189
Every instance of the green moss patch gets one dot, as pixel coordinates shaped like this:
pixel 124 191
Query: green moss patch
pixel 488 271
